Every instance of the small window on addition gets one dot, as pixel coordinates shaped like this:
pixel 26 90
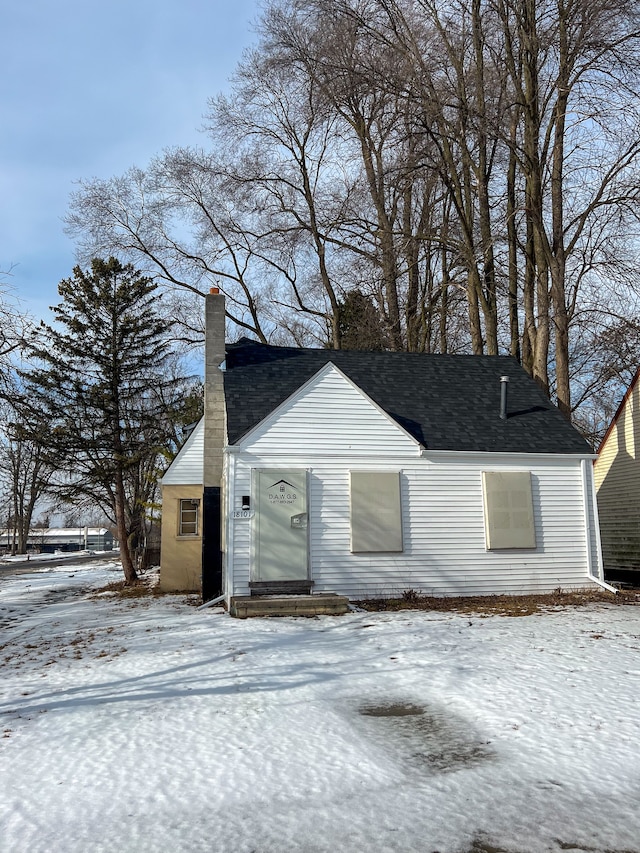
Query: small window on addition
pixel 188 522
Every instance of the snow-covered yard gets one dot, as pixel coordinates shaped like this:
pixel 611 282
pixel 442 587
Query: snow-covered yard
pixel 149 725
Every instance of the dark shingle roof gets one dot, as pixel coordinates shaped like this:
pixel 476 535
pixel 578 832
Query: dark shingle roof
pixel 447 402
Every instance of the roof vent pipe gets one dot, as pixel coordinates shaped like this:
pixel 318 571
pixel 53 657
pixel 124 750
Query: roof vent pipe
pixel 504 382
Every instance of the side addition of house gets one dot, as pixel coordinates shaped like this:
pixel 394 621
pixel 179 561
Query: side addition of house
pixel 181 532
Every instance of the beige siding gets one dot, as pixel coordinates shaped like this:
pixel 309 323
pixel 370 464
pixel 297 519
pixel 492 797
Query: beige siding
pixel 180 556
pixel 617 477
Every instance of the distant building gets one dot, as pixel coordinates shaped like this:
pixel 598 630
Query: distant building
pixel 49 539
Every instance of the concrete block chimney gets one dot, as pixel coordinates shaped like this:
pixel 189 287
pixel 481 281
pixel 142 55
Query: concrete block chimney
pixel 214 405
pixel 215 437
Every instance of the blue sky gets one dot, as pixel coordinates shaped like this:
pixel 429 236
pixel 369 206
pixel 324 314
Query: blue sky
pixel 89 89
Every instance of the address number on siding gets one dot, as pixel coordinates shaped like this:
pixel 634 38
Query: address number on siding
pixel 242 514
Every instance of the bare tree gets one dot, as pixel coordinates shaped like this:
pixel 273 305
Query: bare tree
pixel 573 66
pixel 15 328
pixel 467 167
pixel 25 469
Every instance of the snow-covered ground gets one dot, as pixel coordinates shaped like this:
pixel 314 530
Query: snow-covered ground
pixel 135 726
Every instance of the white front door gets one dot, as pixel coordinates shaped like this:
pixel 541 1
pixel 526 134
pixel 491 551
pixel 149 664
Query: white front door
pixel 280 524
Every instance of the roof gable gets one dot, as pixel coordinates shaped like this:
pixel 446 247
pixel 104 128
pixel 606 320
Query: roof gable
pixel 330 413
pixel 620 410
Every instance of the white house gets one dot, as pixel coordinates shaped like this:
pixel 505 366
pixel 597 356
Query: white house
pixel 367 474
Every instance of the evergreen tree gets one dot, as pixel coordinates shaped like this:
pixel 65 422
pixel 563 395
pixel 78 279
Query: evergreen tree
pixel 101 381
pixel 360 323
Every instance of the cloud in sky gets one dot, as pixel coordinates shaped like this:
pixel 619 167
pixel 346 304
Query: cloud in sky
pixel 88 90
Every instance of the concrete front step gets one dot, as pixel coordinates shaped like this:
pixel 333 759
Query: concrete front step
pixel 320 604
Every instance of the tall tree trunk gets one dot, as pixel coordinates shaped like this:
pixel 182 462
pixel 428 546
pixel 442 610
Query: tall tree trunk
pixel 558 261
pixel 388 257
pixel 512 242
pixel 534 191
pixel 475 326
pixel 320 250
pixel 482 174
pixel 130 574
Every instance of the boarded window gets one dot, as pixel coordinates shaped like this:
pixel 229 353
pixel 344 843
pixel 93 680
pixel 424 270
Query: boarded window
pixel 188 521
pixel 508 510
pixel 376 517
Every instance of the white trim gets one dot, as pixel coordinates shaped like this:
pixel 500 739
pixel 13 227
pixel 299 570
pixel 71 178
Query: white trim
pixel 603 584
pixel 587 520
pixel 594 501
pixel 236 450
pixel 328 367
pixel 229 464
pixel 253 521
pixel 504 454
pixel 585 485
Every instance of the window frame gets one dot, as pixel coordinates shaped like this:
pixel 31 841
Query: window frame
pixel 193 508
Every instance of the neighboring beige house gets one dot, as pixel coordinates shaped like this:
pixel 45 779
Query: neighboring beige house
pixel 617 479
pixel 366 474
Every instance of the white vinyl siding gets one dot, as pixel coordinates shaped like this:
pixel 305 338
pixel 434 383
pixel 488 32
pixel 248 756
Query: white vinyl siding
pixel 508 510
pixel 376 518
pixel 187 467
pixel 590 511
pixel 330 415
pixel 443 532
pixel 241 548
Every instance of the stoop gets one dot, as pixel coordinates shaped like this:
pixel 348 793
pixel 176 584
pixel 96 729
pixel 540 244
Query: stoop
pixel 320 604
